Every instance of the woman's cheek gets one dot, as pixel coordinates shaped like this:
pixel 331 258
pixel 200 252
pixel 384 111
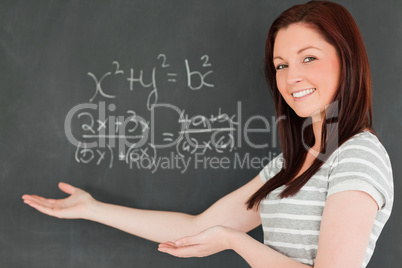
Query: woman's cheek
pixel 328 80
pixel 281 82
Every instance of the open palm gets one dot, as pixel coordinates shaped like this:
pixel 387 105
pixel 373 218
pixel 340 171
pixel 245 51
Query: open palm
pixel 72 207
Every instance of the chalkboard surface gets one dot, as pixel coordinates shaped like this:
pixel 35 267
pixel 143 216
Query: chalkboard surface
pixel 155 105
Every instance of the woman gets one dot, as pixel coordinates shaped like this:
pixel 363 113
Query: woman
pixel 325 199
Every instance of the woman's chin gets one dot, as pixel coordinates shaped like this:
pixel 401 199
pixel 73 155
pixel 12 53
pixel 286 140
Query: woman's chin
pixel 305 114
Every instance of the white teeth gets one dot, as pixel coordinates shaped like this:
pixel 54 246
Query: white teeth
pixel 303 93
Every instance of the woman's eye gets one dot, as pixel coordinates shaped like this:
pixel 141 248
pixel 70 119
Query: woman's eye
pixel 280 67
pixel 309 59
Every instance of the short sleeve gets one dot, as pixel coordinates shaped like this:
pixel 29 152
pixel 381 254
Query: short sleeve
pixel 272 168
pixel 362 165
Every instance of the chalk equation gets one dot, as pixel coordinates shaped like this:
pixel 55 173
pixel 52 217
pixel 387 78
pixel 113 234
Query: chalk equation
pixel 196 79
pixel 104 134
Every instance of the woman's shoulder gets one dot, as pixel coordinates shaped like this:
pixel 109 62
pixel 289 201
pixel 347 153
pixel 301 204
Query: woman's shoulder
pixel 363 144
pixel 363 147
pixel 362 163
pixel 365 150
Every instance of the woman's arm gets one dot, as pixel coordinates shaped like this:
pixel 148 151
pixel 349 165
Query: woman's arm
pixel 345 230
pixel 157 226
pixel 346 227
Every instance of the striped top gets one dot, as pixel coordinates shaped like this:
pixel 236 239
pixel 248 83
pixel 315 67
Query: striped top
pixel 292 225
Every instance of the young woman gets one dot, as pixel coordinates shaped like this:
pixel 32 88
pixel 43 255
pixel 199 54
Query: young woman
pixel 325 199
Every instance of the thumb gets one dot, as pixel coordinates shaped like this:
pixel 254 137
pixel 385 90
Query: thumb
pixel 67 188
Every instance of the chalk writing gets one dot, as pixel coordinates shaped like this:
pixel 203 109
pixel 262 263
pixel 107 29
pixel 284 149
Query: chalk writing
pixel 107 135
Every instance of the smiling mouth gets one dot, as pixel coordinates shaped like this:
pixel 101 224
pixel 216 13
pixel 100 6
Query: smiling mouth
pixel 303 93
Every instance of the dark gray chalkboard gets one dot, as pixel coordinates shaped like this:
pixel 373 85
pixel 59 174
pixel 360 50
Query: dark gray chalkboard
pixel 85 66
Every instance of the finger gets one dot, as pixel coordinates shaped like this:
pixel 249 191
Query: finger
pixel 168 249
pixel 41 201
pixel 46 210
pixel 67 188
pixel 168 244
pixel 164 245
pixel 37 197
pixel 184 252
pixel 31 196
pixel 35 204
pixel 187 241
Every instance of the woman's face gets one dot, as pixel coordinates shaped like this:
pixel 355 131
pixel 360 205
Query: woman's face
pixel 307 69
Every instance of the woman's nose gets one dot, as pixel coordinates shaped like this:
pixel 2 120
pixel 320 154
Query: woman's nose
pixel 294 75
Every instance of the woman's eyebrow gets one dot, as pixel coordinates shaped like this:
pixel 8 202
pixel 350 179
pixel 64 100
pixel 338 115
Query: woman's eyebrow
pixel 298 52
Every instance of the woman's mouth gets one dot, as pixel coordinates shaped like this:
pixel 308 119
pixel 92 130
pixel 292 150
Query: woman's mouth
pixel 302 94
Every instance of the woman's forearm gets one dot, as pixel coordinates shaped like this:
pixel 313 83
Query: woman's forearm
pixel 158 226
pixel 259 255
pixel 162 226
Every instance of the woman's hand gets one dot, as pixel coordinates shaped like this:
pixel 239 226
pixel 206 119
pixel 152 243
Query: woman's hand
pixel 73 207
pixel 208 242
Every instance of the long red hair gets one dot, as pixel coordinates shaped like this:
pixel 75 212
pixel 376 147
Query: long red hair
pixel 350 111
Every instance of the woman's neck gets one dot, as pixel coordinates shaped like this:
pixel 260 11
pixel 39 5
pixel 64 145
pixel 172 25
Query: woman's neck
pixel 317 125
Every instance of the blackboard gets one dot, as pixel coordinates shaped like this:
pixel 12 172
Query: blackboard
pixel 84 82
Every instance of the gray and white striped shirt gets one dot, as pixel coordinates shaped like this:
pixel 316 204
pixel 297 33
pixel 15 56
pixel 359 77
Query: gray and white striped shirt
pixel 292 225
